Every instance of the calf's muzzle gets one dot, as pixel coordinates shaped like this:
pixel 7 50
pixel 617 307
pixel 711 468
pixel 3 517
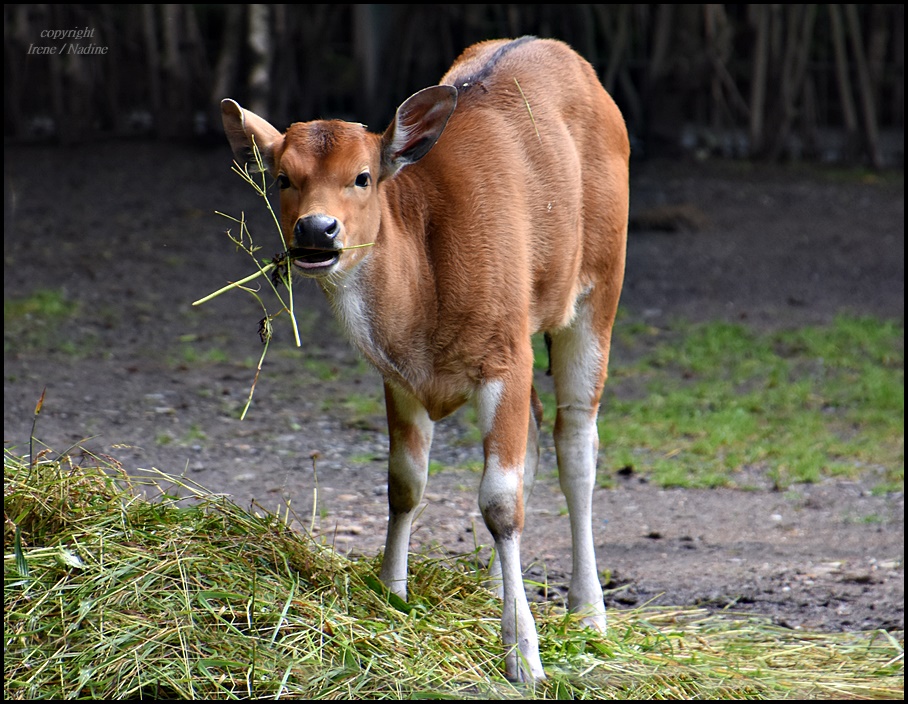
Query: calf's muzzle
pixel 316 232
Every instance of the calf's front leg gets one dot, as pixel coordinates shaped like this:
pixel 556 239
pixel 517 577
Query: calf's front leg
pixel 503 407
pixel 410 431
pixel 531 465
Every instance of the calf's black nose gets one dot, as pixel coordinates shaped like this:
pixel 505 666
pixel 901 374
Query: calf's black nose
pixel 315 232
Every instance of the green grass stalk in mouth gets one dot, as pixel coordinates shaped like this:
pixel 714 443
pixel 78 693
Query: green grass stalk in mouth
pixel 236 284
pixel 244 241
pixel 278 268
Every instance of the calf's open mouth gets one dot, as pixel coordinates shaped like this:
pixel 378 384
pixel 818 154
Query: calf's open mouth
pixel 312 259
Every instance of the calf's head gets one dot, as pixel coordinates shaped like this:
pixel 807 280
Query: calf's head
pixel 331 173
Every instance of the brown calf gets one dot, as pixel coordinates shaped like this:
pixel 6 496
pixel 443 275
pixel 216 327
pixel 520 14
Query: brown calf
pixel 496 206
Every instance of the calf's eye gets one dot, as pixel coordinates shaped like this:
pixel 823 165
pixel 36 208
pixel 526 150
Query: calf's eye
pixel 363 180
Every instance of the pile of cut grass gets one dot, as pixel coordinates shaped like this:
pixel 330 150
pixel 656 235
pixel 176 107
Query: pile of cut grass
pixel 109 595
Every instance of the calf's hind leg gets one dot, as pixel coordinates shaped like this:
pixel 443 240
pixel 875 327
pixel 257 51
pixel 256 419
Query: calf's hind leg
pixel 579 363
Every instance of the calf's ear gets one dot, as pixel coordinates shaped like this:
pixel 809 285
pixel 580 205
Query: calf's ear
pixel 416 127
pixel 243 129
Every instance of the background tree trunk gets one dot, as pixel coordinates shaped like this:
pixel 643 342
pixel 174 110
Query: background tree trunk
pixel 760 17
pixel 865 86
pixel 843 79
pixel 800 22
pixel 772 76
pixel 153 63
pixel 228 60
pixel 258 40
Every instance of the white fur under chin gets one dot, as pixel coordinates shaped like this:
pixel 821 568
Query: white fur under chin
pixel 347 295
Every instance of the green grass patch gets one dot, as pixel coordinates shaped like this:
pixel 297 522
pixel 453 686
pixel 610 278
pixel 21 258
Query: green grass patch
pixel 109 595
pixel 717 404
pixel 33 321
pixel 321 369
pixel 362 410
pixel 45 304
pixel 194 355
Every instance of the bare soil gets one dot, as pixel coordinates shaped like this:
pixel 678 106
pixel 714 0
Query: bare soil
pixel 127 230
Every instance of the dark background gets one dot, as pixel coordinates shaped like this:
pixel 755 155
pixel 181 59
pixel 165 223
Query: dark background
pixel 772 82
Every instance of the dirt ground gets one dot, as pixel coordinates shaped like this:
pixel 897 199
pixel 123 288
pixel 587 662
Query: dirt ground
pixel 127 230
